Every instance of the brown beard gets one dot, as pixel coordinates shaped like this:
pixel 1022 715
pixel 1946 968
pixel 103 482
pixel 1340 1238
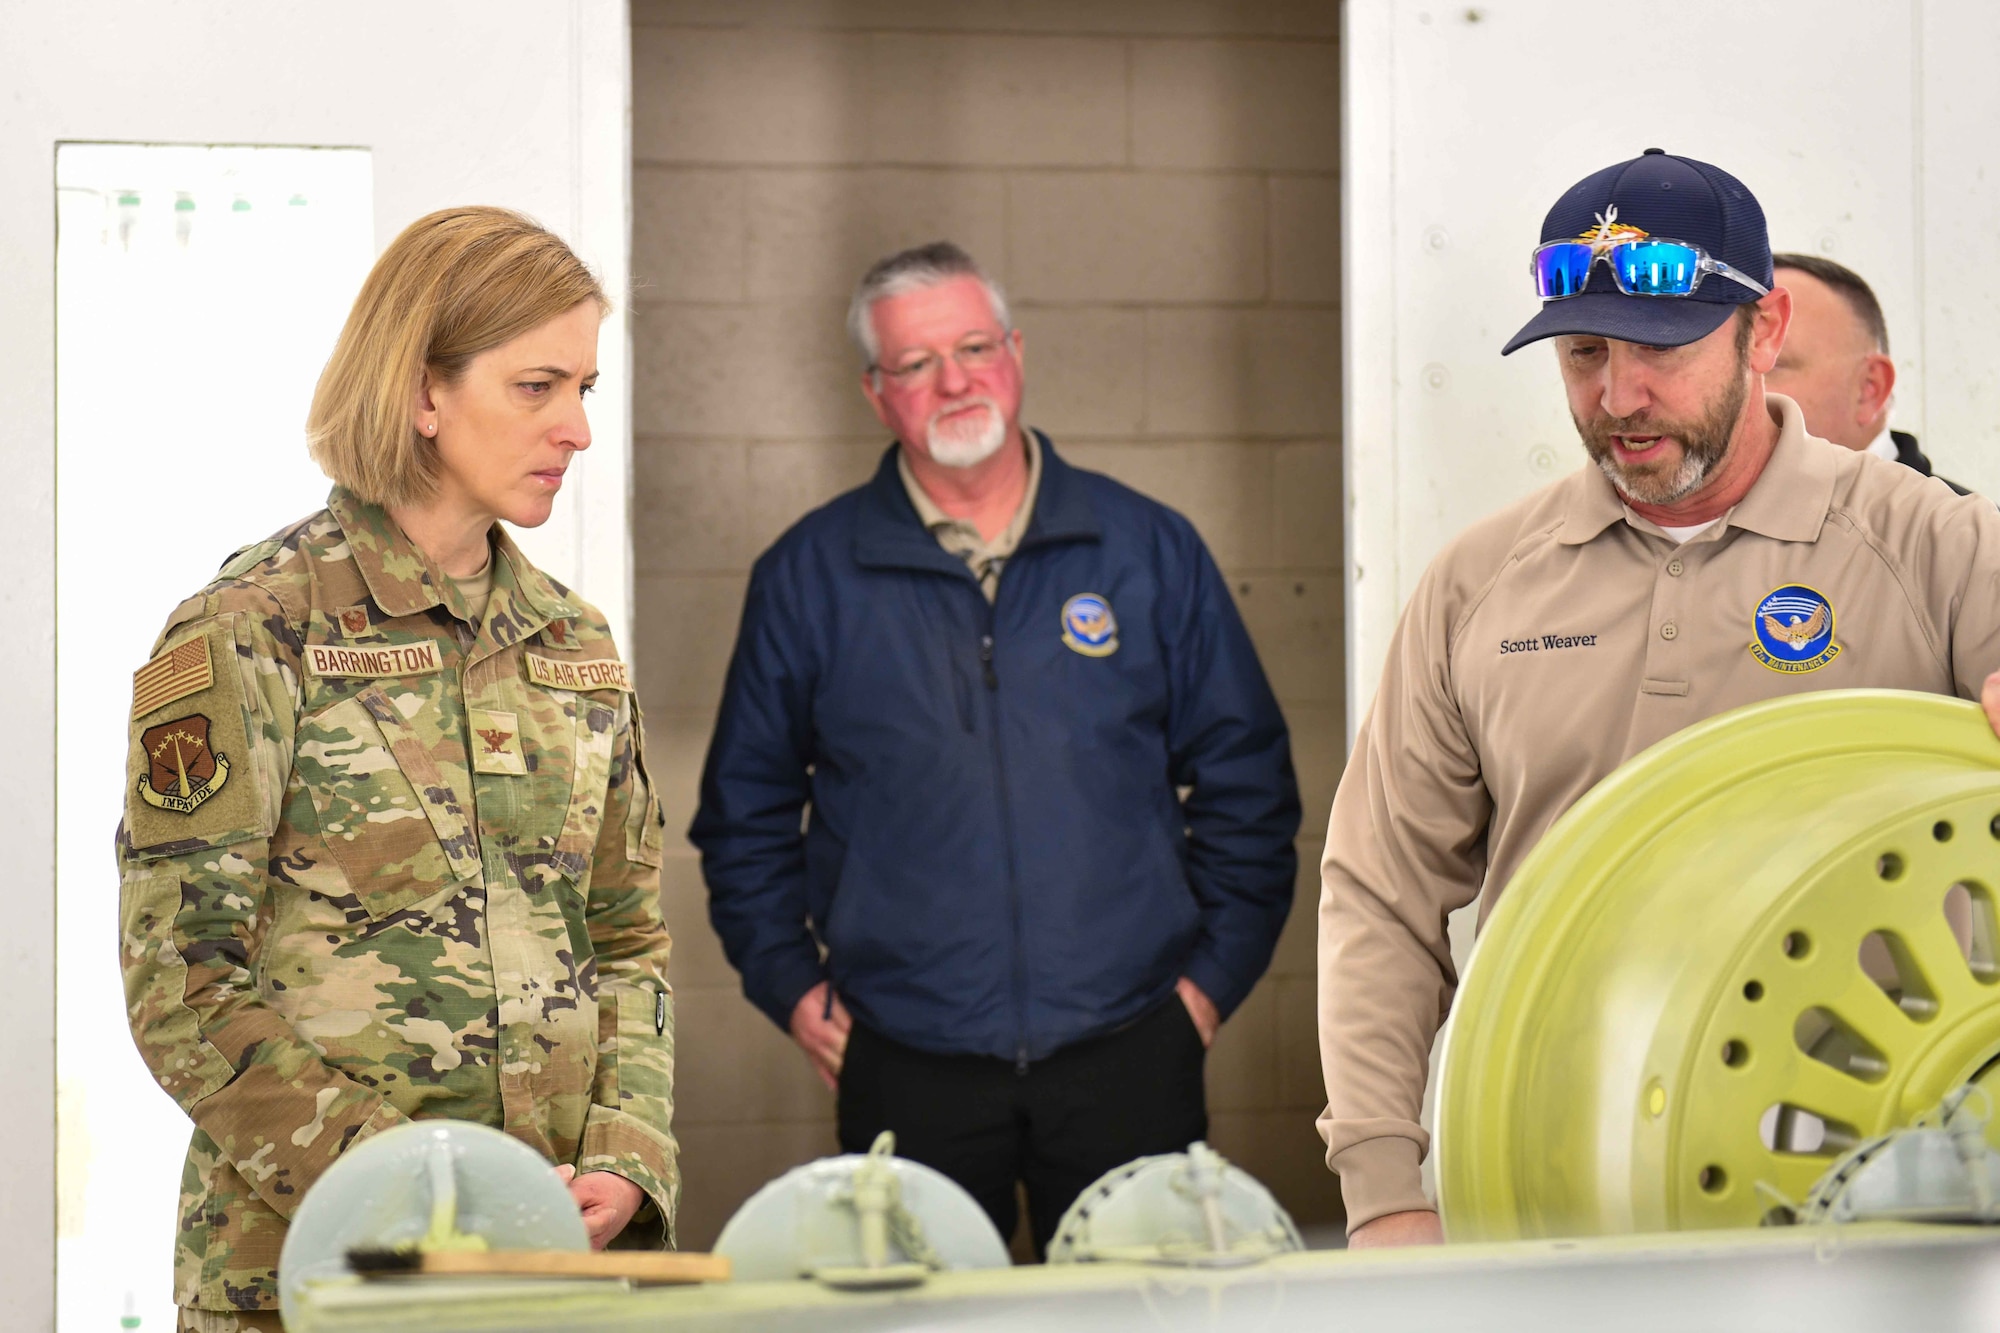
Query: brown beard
pixel 1704 442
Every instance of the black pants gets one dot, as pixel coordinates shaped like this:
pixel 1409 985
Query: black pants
pixel 1056 1127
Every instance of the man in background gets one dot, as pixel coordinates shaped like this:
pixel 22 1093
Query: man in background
pixel 1051 797
pixel 1835 362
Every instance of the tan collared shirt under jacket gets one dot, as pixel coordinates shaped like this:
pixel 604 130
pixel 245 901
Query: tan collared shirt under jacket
pixel 985 559
pixel 1543 648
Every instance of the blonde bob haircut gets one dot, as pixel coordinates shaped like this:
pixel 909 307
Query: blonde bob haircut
pixel 456 283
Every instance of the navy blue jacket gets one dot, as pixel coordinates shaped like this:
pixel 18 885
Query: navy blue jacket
pixel 997 859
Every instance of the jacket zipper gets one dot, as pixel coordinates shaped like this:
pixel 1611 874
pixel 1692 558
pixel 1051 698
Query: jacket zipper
pixel 1007 831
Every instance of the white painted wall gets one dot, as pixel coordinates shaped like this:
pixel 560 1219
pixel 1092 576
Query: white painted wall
pixel 1865 129
pixel 491 101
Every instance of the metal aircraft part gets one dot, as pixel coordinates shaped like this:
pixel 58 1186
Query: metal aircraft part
pixel 1870 1276
pixel 1761 942
pixel 860 1221
pixel 429 1185
pixel 1942 1170
pixel 1192 1209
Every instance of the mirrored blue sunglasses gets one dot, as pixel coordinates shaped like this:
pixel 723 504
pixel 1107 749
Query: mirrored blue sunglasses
pixel 1649 266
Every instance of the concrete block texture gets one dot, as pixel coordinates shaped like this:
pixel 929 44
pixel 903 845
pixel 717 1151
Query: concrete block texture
pixel 813 233
pixel 1284 1151
pixel 746 370
pixel 1295 1002
pixel 1224 489
pixel 1247 18
pixel 996 101
pixel 1241 1073
pixel 690 506
pixel 1136 237
pixel 723 1164
pixel 1236 104
pixel 676 745
pixel 688 234
pixel 1294 619
pixel 728 1056
pixel 1319 755
pixel 1305 239
pixel 1256 372
pixel 1297 954
pixel 697 960
pixel 1311 517
pixel 791 478
pixel 1154 182
pixel 1086 369
pixel 740 96
pixel 685 643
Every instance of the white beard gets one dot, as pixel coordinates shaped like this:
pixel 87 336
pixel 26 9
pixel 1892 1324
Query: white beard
pixel 968 444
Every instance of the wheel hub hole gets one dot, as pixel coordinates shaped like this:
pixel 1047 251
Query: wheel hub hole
pixel 1969 911
pixel 1753 991
pixel 1890 964
pixel 1825 1036
pixel 1942 830
pixel 1890 866
pixel 1797 944
pixel 1796 1131
pixel 1713 1179
pixel 1735 1054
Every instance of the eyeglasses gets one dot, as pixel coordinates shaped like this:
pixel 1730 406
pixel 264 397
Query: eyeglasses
pixel 1641 266
pixel 973 355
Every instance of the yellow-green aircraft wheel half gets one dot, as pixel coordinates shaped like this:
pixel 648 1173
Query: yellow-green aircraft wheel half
pixel 1764 939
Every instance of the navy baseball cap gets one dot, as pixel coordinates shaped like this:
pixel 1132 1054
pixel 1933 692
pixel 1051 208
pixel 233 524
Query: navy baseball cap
pixel 1674 198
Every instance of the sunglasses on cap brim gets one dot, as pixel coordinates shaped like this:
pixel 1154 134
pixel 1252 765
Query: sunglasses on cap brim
pixel 1648 266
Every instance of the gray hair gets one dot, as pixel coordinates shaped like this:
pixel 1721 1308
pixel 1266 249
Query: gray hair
pixel 908 271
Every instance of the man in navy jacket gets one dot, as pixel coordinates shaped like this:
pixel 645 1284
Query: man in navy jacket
pixel 1051 799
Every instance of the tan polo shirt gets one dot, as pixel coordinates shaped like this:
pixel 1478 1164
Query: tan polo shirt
pixel 986 559
pixel 1550 643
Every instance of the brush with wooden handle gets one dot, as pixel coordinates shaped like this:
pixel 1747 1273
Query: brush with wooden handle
pixel 642 1266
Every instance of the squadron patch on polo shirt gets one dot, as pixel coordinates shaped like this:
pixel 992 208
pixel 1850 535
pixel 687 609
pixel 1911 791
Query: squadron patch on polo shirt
pixel 1793 628
pixel 1088 627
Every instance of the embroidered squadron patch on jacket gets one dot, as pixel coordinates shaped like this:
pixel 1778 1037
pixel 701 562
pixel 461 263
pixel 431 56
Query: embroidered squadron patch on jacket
pixel 1793 630
pixel 1088 626
pixel 353 620
pixel 182 769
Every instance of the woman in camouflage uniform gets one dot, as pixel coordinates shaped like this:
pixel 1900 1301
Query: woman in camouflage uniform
pixel 389 850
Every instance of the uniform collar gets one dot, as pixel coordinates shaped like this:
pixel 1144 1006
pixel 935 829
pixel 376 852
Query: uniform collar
pixel 403 581
pixel 888 532
pixel 933 518
pixel 1788 501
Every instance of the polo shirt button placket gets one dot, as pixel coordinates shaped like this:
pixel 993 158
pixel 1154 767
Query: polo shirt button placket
pixel 1667 631
pixel 1674 567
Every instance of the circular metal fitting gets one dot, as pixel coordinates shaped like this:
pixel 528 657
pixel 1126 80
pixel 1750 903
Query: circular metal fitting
pixel 1761 941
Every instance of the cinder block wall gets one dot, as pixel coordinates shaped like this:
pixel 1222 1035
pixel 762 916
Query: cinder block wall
pixel 1155 182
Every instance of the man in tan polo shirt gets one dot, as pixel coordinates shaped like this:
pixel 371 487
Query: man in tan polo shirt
pixel 1714 556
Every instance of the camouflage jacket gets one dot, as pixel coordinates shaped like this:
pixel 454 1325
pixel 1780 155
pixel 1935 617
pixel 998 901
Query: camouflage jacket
pixel 376 866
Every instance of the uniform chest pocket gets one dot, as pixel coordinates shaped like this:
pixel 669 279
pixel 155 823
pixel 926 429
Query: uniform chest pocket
pixel 389 815
pixel 586 744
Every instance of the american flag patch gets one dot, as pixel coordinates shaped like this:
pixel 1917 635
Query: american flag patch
pixel 174 674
